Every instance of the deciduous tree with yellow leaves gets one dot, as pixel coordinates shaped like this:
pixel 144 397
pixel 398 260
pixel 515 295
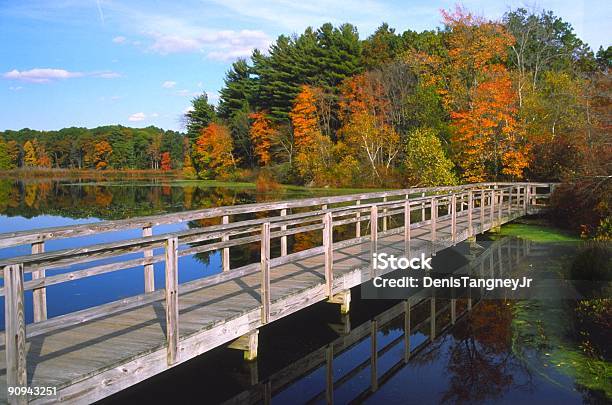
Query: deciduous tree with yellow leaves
pixel 213 151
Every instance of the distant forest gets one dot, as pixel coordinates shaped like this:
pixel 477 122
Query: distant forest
pixel 519 98
pixel 106 147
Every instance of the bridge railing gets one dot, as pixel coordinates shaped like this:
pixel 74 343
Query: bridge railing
pixel 267 222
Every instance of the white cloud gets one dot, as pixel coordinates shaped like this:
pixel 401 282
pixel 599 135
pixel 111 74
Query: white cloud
pixel 15 88
pixel 139 116
pixel 219 45
pixel 39 75
pixel 119 40
pixel 165 44
pixel 45 75
pixel 168 84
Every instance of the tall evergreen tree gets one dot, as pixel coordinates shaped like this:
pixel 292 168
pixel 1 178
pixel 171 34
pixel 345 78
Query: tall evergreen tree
pixel 238 90
pixel 198 118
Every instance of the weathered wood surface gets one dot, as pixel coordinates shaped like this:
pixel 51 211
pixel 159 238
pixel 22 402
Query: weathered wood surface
pixel 93 353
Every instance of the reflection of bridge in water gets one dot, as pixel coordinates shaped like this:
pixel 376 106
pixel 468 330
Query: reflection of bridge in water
pixel 421 318
pixel 92 353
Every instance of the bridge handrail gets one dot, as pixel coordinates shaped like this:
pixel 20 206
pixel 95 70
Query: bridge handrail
pixel 9 239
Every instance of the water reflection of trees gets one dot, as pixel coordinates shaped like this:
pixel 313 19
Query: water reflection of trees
pixel 80 199
pixel 480 364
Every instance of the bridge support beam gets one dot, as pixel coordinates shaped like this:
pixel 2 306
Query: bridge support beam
pixel 248 344
pixel 344 299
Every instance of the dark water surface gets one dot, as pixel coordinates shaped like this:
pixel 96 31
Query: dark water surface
pixel 502 351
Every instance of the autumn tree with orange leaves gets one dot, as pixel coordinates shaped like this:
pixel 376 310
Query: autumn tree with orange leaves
pixel 101 153
pixel 262 134
pixel 166 161
pixel 365 127
pixel 313 149
pixel 479 93
pixel 213 151
pixel 477 90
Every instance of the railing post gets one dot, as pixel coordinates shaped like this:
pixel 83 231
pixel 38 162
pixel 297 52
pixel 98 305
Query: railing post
pixel 483 203
pixel 265 273
pixel 423 208
pixel 283 239
pixel 526 198
pixel 373 233
pixel 469 212
pixel 453 205
pixel 492 208
pixel 433 216
pixel 358 223
pixel 500 206
pixel 15 332
pixel 39 295
pixel 225 260
pixel 385 215
pixel 407 226
pixel 328 247
pixel 149 272
pixel 510 190
pixel 172 310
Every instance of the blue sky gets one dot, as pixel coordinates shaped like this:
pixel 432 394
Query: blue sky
pixel 139 63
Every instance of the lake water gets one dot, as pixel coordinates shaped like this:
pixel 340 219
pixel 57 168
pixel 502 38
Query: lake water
pixel 503 351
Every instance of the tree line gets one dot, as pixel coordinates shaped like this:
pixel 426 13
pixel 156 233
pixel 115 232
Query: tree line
pixel 105 147
pixel 520 98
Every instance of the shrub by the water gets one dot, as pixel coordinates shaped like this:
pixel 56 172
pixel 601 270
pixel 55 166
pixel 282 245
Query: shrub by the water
pixel 582 206
pixel 593 262
pixel 265 182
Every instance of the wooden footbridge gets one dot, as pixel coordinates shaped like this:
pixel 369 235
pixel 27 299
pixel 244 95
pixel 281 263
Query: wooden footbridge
pixel 92 353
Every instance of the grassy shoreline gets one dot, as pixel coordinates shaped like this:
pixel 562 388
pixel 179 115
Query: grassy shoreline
pixel 172 178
